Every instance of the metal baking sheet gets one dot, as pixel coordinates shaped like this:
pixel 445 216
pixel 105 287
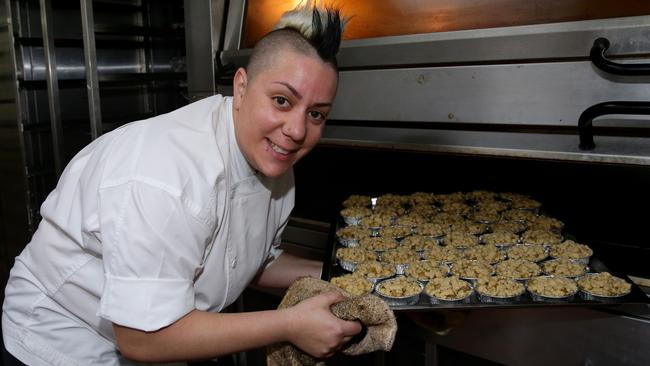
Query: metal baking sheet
pixel 636 296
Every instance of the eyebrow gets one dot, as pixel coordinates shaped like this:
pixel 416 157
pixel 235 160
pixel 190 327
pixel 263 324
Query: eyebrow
pixel 299 96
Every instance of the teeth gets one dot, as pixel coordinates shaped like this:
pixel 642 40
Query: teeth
pixel 278 149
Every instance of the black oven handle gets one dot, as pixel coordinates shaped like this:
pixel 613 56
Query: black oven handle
pixel 597 56
pixel 585 128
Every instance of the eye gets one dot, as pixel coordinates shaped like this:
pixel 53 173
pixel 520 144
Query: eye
pixel 281 101
pixel 317 116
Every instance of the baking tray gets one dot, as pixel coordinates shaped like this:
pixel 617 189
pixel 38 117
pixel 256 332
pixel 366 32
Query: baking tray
pixel 636 295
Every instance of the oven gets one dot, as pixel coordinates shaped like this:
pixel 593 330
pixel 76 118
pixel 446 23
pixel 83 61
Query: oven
pixel 548 99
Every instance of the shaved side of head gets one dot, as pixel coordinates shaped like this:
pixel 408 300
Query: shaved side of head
pixel 275 45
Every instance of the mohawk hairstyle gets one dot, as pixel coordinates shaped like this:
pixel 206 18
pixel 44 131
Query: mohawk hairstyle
pixel 308 29
pixel 321 26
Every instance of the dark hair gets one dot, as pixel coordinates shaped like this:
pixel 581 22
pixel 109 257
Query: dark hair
pixel 326 31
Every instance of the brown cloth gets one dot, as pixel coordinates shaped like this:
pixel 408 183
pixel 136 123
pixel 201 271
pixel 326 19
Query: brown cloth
pixel 373 313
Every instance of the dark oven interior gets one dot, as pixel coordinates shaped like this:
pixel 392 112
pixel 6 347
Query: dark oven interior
pixel 601 205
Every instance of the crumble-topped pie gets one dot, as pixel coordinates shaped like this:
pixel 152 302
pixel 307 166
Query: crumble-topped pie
pixel 448 288
pixel 500 238
pixel 419 242
pixel 353 283
pixel 460 239
pixel 552 287
pixel 569 249
pixel 499 287
pixel 485 253
pixel 518 269
pixel 399 287
pixel 541 237
pixel 357 200
pixel 466 268
pixel 373 269
pixel 426 270
pixel 378 243
pixel 530 252
pixel 604 284
pixel 563 267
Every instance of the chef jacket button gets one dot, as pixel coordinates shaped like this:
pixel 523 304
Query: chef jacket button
pixel 233 264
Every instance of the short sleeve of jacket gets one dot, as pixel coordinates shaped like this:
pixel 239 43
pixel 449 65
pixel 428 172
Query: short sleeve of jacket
pixel 153 247
pixel 276 249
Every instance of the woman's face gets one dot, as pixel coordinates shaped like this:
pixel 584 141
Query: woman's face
pixel 280 114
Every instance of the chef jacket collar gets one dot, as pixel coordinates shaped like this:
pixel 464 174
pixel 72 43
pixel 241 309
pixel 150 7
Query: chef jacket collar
pixel 240 167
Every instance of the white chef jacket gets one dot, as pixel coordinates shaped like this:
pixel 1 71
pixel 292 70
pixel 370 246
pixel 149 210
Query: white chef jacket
pixel 147 223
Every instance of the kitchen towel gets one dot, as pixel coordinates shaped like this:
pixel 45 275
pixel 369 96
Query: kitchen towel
pixel 372 312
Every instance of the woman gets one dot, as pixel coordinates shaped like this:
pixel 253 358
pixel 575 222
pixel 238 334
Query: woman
pixel 157 226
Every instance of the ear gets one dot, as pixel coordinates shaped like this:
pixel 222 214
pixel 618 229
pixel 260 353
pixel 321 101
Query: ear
pixel 239 83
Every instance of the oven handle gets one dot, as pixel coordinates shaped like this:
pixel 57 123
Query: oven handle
pixel 597 56
pixel 585 128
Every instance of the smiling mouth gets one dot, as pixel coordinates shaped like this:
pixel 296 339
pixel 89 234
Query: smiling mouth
pixel 278 149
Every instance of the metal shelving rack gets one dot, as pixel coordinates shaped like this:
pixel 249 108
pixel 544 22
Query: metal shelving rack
pixel 72 70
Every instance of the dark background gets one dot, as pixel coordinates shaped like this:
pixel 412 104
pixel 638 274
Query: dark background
pixel 604 206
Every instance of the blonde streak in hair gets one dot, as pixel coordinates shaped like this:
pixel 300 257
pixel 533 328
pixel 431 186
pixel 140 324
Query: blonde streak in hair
pixel 298 20
pixel 301 18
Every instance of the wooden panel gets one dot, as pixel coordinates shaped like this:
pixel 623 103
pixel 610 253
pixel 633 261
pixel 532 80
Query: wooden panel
pixel 378 18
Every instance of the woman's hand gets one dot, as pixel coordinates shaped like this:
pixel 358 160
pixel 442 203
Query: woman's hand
pixel 313 328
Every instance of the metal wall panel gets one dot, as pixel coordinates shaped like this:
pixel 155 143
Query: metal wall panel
pixel 553 93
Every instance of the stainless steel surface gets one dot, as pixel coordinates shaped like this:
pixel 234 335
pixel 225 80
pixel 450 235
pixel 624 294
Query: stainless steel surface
pixel 629 36
pixel 203 36
pixel 90 62
pixel 549 336
pixel 547 94
pixel 234 26
pixel 14 208
pixel 52 84
pixel 537 75
pixel 609 149
pixel 138 70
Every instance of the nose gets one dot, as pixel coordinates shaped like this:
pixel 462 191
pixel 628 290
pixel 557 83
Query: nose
pixel 294 127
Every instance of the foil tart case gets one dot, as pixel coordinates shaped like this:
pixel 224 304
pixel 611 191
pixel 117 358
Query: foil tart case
pixel 376 280
pixel 584 260
pixel 546 250
pixel 424 281
pixel 352 220
pixel 463 300
pixel 399 268
pixel 521 279
pixel 348 243
pixel 585 268
pixel 471 280
pixel 496 299
pixel 586 295
pixel 483 297
pixel 543 298
pixel 399 301
pixel 349 266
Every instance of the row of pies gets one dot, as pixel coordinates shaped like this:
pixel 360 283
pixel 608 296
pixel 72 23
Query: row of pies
pixel 406 290
pixel 448 246
pixel 422 235
pixel 457 219
pixel 364 262
pixel 404 254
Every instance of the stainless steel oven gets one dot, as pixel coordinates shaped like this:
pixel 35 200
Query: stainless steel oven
pixel 549 99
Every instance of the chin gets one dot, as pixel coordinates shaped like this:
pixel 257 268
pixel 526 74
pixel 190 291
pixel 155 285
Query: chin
pixel 274 171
